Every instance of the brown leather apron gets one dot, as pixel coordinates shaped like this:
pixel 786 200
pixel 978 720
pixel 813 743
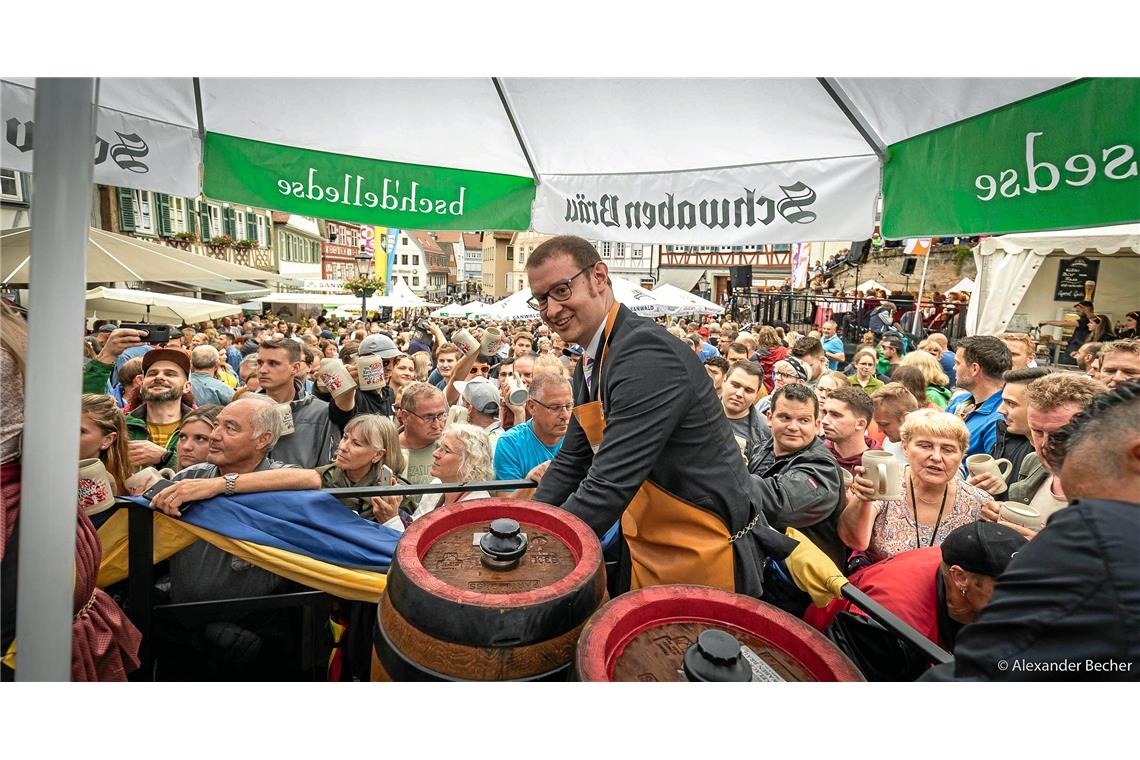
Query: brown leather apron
pixel 669 539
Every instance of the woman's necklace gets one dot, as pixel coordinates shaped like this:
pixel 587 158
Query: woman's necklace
pixel 937 522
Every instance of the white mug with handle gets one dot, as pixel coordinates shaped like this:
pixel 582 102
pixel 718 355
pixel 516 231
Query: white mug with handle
pixel 979 463
pixel 883 471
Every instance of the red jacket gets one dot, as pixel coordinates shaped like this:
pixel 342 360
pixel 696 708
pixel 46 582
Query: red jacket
pixel 767 359
pixel 904 584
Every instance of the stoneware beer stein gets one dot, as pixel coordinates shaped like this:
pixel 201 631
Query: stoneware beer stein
pixel 145 478
pixel 883 470
pixel 490 342
pixel 370 372
pixel 335 376
pixel 286 412
pixel 465 341
pixel 1021 514
pixel 848 478
pixel 517 393
pixel 95 491
pixel 979 463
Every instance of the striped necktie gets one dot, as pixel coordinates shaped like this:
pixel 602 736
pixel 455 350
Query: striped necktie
pixel 588 368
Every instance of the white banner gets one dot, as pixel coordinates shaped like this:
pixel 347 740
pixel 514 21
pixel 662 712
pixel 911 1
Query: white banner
pixel 129 151
pixel 827 199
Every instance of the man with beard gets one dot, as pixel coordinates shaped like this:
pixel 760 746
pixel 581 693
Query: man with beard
pixel 166 378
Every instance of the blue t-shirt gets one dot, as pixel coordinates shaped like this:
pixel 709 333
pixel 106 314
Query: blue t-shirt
pixel 519 451
pixel 981 422
pixel 833 345
pixel 708 351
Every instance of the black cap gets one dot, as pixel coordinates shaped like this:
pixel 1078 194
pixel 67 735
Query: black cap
pixel 982 547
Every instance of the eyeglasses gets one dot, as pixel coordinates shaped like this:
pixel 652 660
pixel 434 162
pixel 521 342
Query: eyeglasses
pixel 430 418
pixel 556 408
pixel 787 375
pixel 560 292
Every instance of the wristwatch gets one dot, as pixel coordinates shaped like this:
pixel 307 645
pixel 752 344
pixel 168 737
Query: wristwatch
pixel 231 482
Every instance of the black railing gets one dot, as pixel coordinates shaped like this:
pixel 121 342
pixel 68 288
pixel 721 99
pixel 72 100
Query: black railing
pixel 143 611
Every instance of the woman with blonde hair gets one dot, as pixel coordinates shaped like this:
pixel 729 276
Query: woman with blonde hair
pixel 462 455
pixel 103 436
pixel 934 500
pixel 370 443
pixel 936 383
pixel 422 363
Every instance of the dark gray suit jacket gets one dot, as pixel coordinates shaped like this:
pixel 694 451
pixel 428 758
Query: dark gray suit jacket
pixel 664 423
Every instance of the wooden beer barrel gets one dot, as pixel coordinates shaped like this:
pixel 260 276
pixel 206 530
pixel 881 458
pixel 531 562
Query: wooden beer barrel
pixel 488 590
pixel 679 633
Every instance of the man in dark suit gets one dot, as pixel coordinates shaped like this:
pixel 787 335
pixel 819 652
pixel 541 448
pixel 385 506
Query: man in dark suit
pixel 649 442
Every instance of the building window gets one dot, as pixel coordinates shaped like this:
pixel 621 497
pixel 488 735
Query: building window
pixel 239 224
pixel 415 280
pixel 507 281
pixel 619 250
pixel 415 259
pixel 510 257
pixel 404 259
pixel 215 213
pixel 404 240
pixel 636 250
pixel 11 188
pixel 607 249
pixel 262 232
pixel 177 214
pixel 144 220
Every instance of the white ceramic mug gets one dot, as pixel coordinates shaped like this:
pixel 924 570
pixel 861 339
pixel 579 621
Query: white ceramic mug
pixel 1021 514
pixel 370 372
pixel 465 341
pixel 517 393
pixel 848 478
pixel 883 471
pixel 286 412
pixel 490 342
pixel 334 375
pixel 96 493
pixel 979 463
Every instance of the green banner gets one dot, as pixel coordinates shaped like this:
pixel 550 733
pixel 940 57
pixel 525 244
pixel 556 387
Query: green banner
pixel 1064 159
pixel 369 191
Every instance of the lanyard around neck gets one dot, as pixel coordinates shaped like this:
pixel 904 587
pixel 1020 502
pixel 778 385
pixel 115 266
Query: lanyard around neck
pixel 914 506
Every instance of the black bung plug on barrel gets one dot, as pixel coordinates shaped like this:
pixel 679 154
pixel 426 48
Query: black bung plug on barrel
pixel 716 657
pixel 503 546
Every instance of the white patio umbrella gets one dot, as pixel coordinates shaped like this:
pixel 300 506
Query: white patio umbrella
pixel 590 155
pixel 119 258
pixel 688 303
pixel 125 305
pixel 965 285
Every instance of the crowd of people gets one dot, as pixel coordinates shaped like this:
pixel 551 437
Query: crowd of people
pixel 763 427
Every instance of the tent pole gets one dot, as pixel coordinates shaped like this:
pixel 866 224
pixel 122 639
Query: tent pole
pixel 63 166
pixel 917 329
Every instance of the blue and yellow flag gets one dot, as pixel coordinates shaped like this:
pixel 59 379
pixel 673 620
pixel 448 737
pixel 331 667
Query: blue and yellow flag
pixel 306 536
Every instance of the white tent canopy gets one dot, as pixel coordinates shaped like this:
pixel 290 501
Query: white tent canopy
pixel 472 308
pixel 872 285
pixel 965 285
pixel 125 305
pixel 686 303
pixel 639 300
pixel 1017 275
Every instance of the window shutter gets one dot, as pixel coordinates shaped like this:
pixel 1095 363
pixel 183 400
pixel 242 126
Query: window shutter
pixel 163 203
pixel 126 210
pixel 228 222
pixel 189 215
pixel 250 226
pixel 204 221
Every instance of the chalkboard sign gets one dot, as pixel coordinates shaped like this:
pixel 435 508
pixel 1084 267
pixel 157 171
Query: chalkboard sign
pixel 1071 276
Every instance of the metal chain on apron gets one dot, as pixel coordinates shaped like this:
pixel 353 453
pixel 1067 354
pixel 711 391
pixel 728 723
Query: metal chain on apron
pixel 740 533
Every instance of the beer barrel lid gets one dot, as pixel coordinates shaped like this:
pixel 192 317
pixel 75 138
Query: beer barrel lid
pixel 499 567
pixel 680 632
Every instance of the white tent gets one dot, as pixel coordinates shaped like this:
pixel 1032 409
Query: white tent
pixel 965 285
pixel 873 285
pixel 472 308
pixel 125 305
pixel 514 307
pixel 687 303
pixel 1017 275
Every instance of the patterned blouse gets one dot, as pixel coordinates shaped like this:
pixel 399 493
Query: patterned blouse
pixel 893 531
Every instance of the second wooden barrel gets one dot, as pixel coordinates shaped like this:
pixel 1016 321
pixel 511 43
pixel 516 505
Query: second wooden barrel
pixel 488 590
pixel 697 633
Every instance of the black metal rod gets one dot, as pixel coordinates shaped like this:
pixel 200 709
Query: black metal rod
pixel 140 583
pixel 191 612
pixel 492 485
pixel 892 623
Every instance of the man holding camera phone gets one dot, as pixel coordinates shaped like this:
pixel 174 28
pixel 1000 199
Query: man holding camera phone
pixel 153 426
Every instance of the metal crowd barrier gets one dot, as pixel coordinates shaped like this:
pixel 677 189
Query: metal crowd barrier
pixel 143 611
